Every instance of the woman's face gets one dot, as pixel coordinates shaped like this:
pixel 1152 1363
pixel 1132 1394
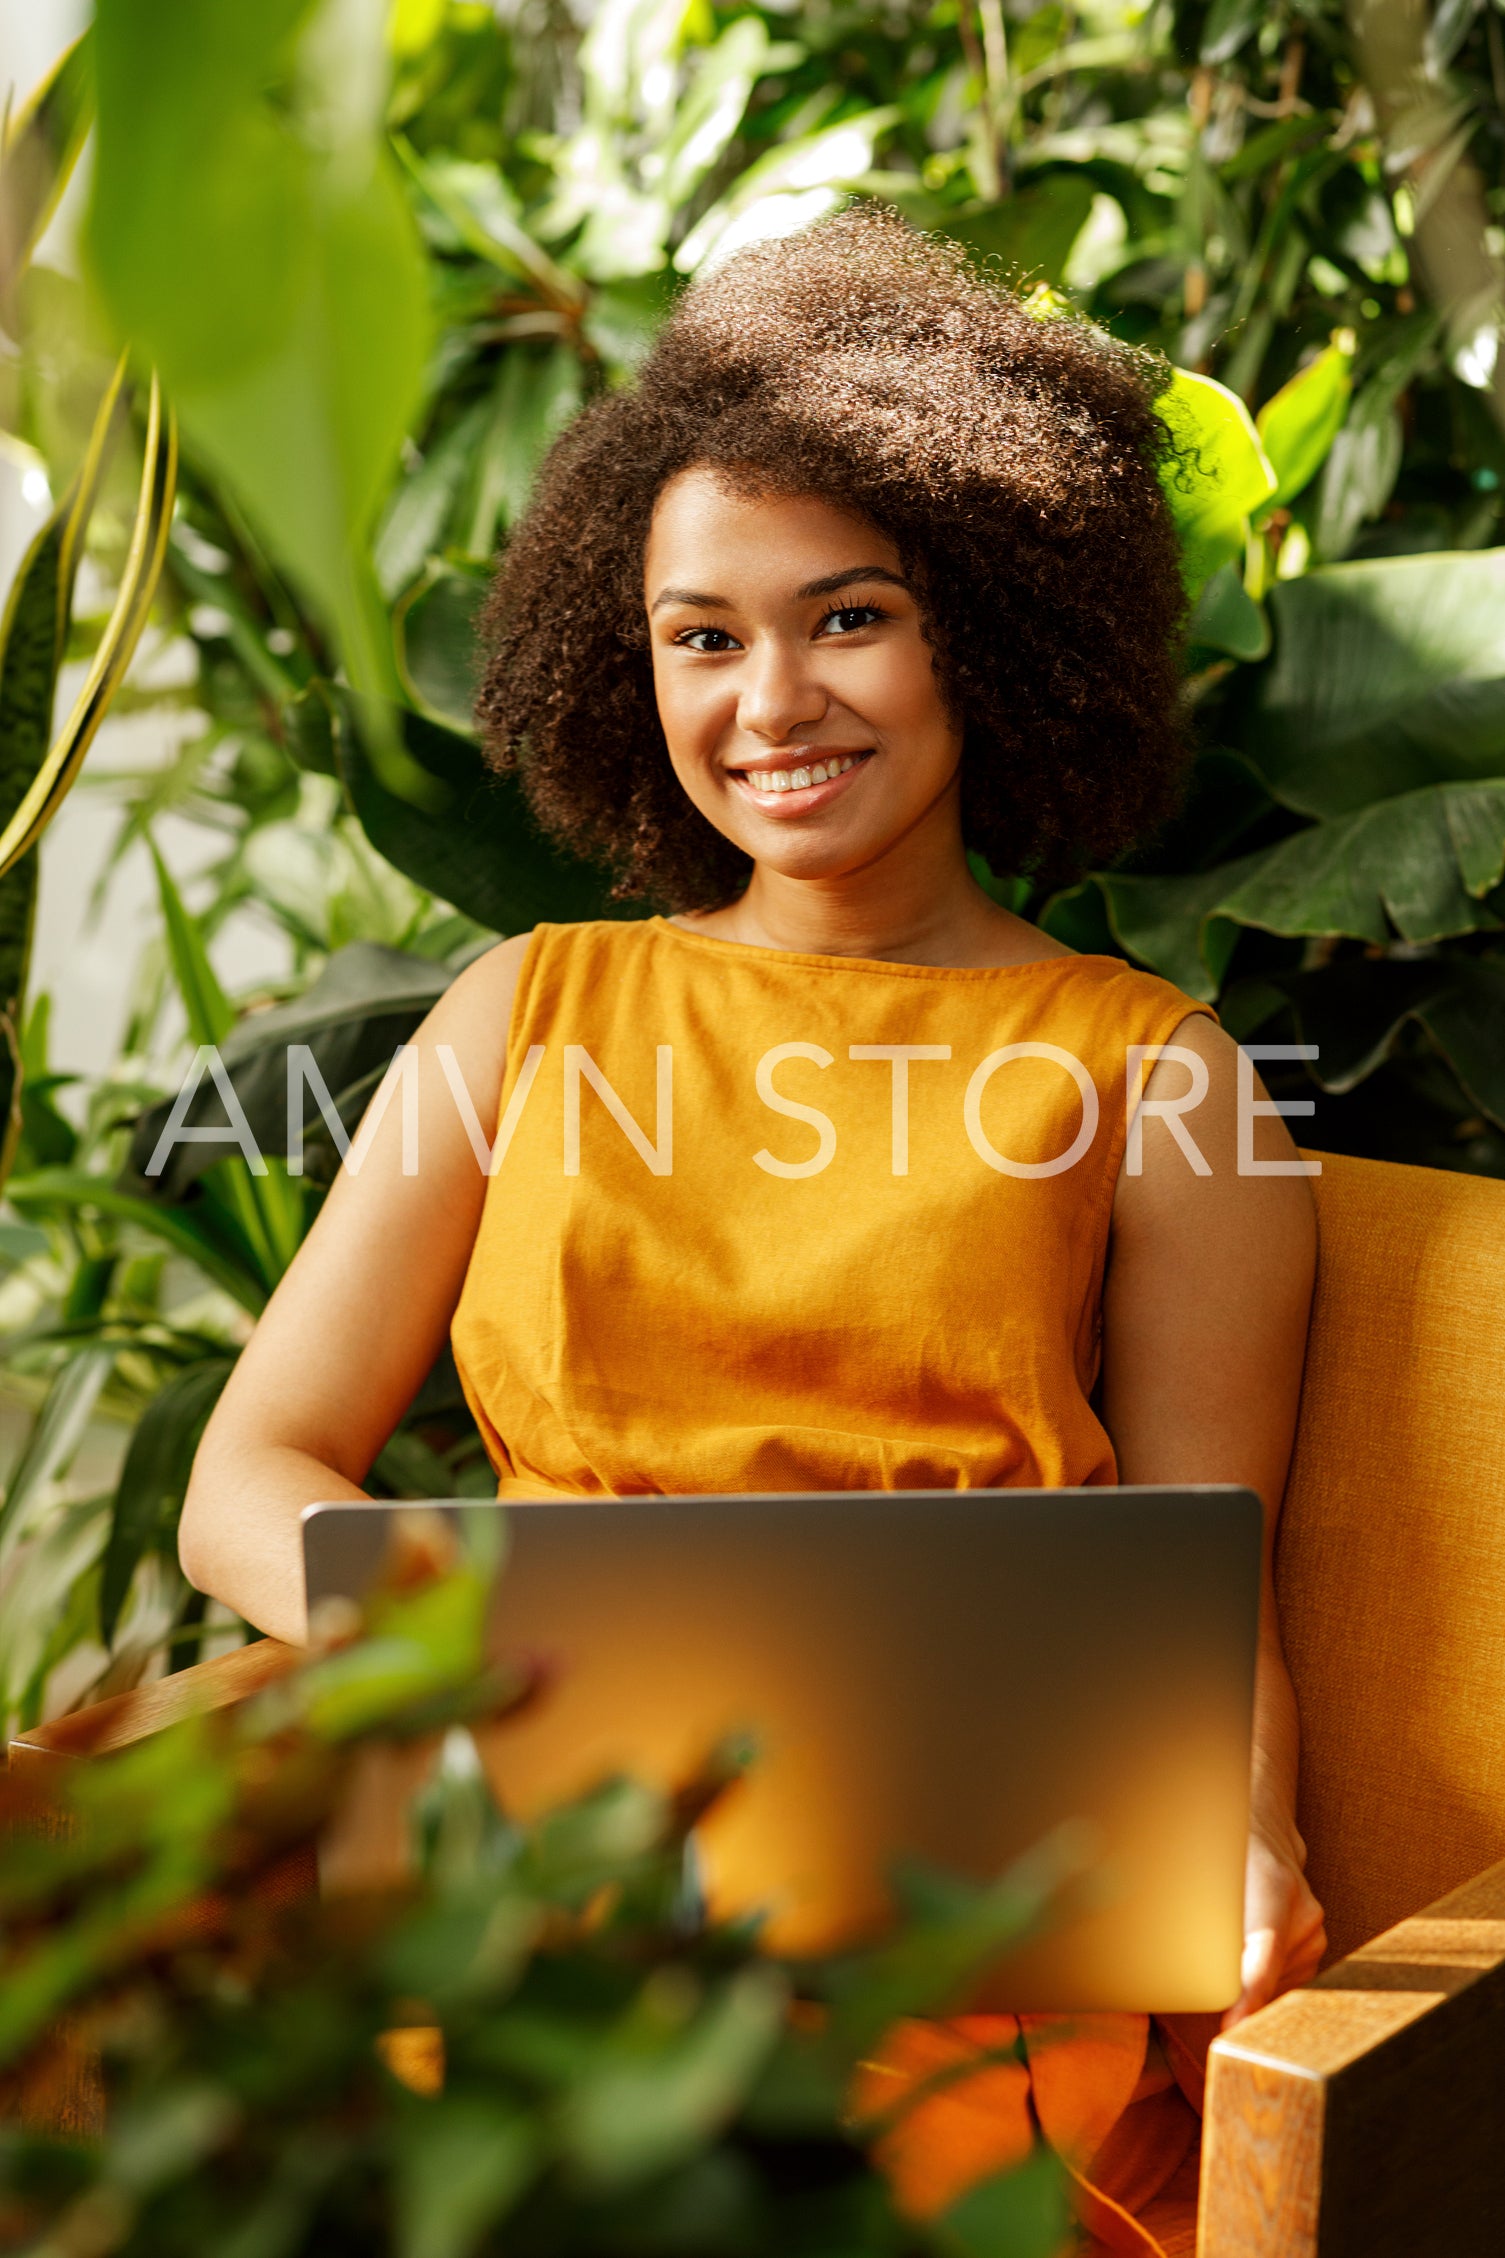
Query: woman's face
pixel 794 684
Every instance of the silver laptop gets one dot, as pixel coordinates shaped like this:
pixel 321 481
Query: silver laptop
pixel 945 1676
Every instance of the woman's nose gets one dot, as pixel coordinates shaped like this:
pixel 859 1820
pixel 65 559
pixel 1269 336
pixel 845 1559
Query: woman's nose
pixel 779 692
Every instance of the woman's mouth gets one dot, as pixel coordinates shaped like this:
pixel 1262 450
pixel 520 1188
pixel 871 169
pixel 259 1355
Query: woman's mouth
pixel 792 785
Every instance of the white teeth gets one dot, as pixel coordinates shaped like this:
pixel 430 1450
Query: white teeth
pixel 797 779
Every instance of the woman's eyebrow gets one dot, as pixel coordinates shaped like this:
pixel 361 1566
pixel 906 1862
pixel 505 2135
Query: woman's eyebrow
pixel 833 581
pixel 691 596
pixel 828 585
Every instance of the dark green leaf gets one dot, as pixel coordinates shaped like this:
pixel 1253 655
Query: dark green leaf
pixel 149 1494
pixel 461 2165
pixel 366 1001
pixel 1388 674
pixel 438 647
pixel 1031 233
pixel 486 856
pixel 1022 2214
pixel 1226 618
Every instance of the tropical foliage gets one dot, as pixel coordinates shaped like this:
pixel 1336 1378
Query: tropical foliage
pixel 534 2042
pixel 467 220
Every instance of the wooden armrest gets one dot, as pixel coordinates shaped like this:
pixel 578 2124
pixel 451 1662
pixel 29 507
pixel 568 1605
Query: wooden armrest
pixel 129 1717
pixel 1362 2117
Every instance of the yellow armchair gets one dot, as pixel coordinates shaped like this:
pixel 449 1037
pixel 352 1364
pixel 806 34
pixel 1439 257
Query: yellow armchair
pixel 1364 2116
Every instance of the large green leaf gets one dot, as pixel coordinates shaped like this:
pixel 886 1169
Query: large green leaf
pixel 1388 674
pixel 1353 1011
pixel 1218 475
pixel 486 856
pixel 249 234
pixel 154 1478
pixel 1418 866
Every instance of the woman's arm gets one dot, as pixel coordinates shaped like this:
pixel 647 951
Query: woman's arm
pixel 1204 1332
pixel 354 1327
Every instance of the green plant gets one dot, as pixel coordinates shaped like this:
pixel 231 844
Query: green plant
pixel 618 2073
pixel 1231 185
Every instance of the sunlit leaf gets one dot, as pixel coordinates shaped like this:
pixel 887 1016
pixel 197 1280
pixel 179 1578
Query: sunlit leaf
pixel 1218 475
pixel 1298 424
pixel 786 189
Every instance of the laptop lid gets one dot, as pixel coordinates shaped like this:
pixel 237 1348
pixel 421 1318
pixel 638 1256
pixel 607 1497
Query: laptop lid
pixel 944 1675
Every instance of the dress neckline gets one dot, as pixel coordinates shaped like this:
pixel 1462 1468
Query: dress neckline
pixel 761 950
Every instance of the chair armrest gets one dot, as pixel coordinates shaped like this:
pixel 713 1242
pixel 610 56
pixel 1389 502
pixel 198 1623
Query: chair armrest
pixel 129 1717
pixel 1361 2118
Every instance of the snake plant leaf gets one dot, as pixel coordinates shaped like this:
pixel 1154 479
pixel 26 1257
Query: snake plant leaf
pixel 248 231
pixel 1389 673
pixel 154 1478
pixel 1298 424
pixel 33 639
pixel 1218 474
pixel 41 147
pixel 54 774
pixel 1419 866
pixel 487 857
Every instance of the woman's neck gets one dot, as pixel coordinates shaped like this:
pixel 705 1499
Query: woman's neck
pixel 915 905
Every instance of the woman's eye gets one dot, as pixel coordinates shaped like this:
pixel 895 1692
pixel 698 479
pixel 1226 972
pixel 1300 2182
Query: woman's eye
pixel 848 620
pixel 710 639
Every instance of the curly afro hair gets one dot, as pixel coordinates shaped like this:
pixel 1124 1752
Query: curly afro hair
pixel 1013 461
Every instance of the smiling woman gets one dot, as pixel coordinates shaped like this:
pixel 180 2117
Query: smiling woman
pixel 858 383
pixel 871 569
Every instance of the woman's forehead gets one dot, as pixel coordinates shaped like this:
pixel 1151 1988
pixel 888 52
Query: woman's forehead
pixel 704 521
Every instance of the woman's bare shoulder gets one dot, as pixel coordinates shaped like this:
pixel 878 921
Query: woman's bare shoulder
pixel 477 1004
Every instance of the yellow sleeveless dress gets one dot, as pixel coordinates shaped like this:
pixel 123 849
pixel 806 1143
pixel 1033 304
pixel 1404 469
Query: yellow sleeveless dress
pixel 771 1221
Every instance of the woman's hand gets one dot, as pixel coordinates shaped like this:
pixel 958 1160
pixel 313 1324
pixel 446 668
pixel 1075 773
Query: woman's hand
pixel 1284 1936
